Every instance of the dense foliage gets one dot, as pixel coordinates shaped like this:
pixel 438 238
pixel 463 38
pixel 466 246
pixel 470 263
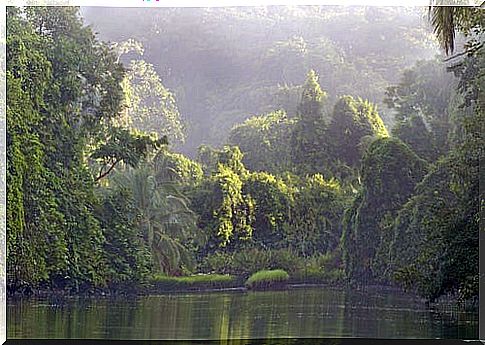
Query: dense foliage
pixel 265 141
pixel 63 89
pixel 316 188
pixel 390 171
pixel 64 95
pixel 352 120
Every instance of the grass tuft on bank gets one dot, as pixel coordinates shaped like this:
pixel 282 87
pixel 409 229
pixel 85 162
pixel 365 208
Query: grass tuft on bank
pixel 267 279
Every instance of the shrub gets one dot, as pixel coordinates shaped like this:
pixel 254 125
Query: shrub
pixel 321 268
pixel 218 262
pixel 246 262
pixel 200 281
pixel 335 276
pixel 285 259
pixel 240 263
pixel 310 275
pixel 267 278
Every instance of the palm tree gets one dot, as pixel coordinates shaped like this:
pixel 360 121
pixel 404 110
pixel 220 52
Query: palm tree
pixel 446 20
pixel 165 219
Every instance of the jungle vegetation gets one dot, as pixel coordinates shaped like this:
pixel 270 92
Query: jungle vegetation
pixel 148 156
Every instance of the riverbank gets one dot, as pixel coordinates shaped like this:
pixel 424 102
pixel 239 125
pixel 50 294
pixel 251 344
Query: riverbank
pixel 150 290
pixel 225 283
pixel 159 284
pixel 239 286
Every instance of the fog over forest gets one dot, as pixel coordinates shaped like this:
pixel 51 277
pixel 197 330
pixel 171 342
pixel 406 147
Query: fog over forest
pixel 224 65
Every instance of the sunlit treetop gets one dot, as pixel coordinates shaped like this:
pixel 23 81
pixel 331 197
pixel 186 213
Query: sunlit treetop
pixel 361 112
pixel 312 90
pixel 354 123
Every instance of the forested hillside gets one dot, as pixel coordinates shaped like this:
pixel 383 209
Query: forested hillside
pixel 225 64
pixel 205 145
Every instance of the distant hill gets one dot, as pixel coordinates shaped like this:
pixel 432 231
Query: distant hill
pixel 227 64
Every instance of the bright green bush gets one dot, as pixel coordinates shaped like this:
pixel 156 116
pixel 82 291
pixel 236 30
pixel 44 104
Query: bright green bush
pixel 267 278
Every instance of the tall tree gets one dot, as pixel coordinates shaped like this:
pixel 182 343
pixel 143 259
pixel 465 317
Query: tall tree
pixel 149 105
pixel 390 171
pixel 351 121
pixel 307 143
pixel 265 141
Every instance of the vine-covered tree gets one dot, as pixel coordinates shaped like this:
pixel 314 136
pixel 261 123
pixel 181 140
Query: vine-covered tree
pixel 226 214
pixel 64 95
pixel 351 121
pixel 390 171
pixel 308 151
pixel 32 213
pixel 444 254
pixel 265 142
pixel 413 132
pixel 314 222
pixel 273 201
pixel 71 85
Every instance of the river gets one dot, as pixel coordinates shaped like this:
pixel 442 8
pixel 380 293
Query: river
pixel 302 312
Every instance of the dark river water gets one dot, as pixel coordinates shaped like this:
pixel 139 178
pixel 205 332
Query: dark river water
pixel 302 312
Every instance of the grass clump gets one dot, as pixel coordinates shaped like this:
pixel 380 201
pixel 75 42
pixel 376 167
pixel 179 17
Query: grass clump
pixel 194 282
pixel 266 279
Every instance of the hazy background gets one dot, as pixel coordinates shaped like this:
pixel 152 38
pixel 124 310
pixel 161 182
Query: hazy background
pixel 223 65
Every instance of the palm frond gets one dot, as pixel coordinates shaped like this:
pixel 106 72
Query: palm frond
pixel 442 20
pixel 166 219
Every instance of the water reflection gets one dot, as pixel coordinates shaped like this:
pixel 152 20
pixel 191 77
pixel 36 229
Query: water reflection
pixel 310 312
